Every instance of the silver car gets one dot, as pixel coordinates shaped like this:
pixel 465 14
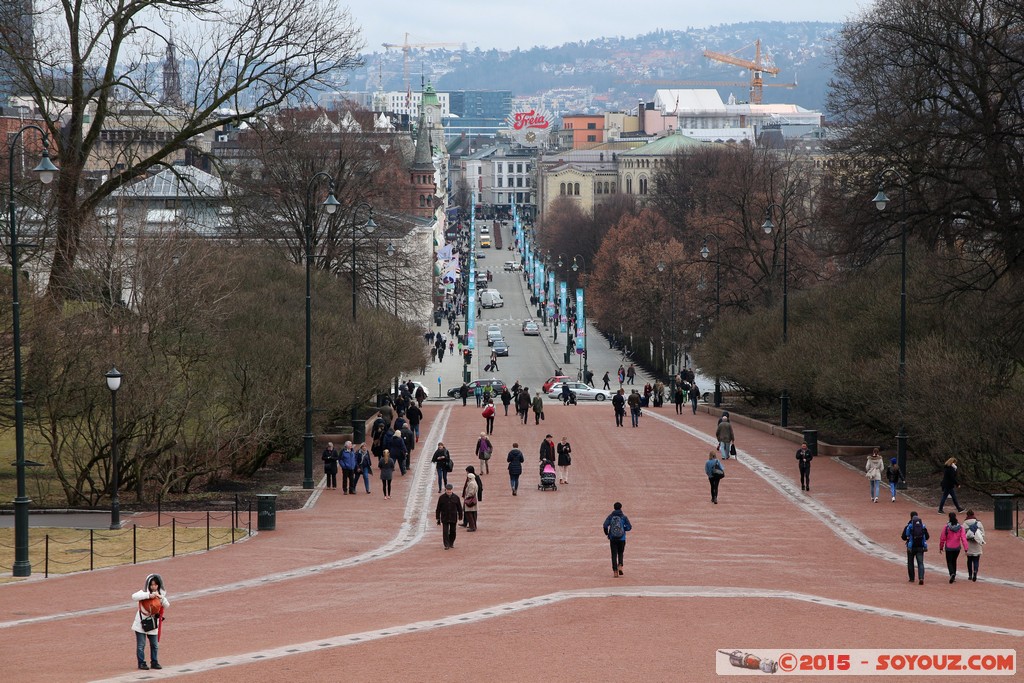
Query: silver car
pixel 531 329
pixel 582 391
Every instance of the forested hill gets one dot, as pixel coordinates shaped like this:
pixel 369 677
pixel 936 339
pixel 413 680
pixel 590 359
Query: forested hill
pixel 620 70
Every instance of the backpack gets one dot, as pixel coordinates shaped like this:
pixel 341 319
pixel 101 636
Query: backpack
pixel 448 464
pixel 616 528
pixel 915 535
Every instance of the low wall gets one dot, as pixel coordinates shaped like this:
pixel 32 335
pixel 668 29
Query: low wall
pixel 824 449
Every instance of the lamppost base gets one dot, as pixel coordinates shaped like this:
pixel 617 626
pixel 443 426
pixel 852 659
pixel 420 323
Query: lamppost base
pixel 784 401
pixel 21 567
pixel 307 449
pixel 901 456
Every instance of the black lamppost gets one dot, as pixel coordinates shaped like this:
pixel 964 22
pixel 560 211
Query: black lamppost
pixel 579 263
pixel 704 253
pixel 881 201
pixel 358 430
pixel 114 383
pixel 330 205
pixel 768 226
pixel 390 251
pixel 47 171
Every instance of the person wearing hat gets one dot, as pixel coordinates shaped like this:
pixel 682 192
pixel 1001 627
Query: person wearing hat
pixel 448 513
pixel 803 460
pixel 470 498
pixel 894 476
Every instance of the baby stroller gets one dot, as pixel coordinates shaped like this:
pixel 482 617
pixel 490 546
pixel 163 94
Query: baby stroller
pixel 572 398
pixel 547 476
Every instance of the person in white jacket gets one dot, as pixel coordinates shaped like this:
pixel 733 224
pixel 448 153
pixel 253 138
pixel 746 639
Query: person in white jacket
pixel 975 539
pixel 150 601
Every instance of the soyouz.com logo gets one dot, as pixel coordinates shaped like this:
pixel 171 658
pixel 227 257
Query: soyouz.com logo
pixel 892 662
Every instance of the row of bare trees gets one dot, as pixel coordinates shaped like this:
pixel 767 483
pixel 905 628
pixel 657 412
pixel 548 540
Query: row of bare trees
pixel 930 94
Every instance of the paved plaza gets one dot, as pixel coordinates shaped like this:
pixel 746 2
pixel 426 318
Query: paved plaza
pixel 358 588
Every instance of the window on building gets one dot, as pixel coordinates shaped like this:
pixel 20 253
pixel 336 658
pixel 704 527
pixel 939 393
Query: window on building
pixel 643 185
pixel 519 168
pixel 629 185
pixel 519 182
pixel 613 188
pixel 499 181
pixel 591 138
pixel 561 188
pixel 576 189
pixel 591 126
pixel 597 188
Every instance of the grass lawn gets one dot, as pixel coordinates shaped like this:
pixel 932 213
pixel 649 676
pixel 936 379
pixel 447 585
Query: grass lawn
pixel 69 548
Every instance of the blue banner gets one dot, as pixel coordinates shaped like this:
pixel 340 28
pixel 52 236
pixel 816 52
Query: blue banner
pixel 580 326
pixel 551 294
pixel 562 321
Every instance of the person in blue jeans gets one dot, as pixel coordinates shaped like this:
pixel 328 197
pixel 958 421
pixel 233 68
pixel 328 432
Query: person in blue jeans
pixel 615 527
pixel 150 601
pixel 515 467
pixel 364 465
pixel 440 460
pixel 348 469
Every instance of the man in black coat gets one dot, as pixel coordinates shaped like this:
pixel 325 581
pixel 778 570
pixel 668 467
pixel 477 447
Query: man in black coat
pixel 619 404
pixel 803 461
pixel 448 514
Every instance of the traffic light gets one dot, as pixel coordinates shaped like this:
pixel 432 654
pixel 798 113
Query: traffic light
pixel 467 356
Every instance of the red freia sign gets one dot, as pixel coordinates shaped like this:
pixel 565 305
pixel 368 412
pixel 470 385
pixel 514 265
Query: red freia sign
pixel 530 119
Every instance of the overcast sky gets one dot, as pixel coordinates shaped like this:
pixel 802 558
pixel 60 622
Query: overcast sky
pixel 527 23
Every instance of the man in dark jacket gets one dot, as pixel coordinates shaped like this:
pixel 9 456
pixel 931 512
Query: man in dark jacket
pixel 464 392
pixel 619 404
pixel 399 453
pixel 615 527
pixel 547 449
pixel 523 404
pixel 410 443
pixel 448 514
pixel 414 415
pixel 803 460
pixel 916 536
pixel 515 466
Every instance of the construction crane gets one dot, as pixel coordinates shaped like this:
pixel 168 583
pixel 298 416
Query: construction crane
pixel 701 84
pixel 406 47
pixel 757 67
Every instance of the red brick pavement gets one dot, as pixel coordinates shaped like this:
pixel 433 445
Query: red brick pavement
pixel 539 543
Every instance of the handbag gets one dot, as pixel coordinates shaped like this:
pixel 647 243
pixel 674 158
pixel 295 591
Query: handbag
pixel 732 449
pixel 470 501
pixel 150 623
pixel 718 472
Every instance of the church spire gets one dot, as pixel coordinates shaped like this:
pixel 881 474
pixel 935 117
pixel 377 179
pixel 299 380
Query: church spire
pixel 172 77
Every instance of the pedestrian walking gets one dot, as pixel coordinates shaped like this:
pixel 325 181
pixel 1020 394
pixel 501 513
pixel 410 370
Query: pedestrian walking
pixel 399 450
pixel 547 449
pixel 679 398
pixel 621 376
pixel 523 403
pixel 448 513
pixel 975 539
pixel 607 381
pixel 953 539
pixel 564 450
pixel 488 413
pixel 151 602
pixel 615 527
pixel 478 395
pixel 950 483
pixel 440 459
pixel 873 471
pixel 464 393
pixel 364 467
pixel 470 498
pixel 538 408
pixel 515 461
pixel 386 465
pixel 330 458
pixel 634 407
pixel 803 463
pixel 348 469
pixel 631 374
pixel 916 536
pixel 619 405
pixel 483 451
pixel 506 399
pixel 694 395
pixel 725 436
pixel 715 473
pixel 893 476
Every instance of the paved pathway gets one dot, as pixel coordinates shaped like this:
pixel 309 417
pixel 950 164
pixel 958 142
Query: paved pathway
pixel 360 585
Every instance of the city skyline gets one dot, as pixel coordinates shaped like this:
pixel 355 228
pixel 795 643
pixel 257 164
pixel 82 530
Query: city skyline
pixel 528 23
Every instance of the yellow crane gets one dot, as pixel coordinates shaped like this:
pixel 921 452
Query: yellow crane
pixel 759 66
pixel 406 46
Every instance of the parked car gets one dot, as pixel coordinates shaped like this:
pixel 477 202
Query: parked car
pixel 582 391
pixel 493 336
pixel 531 329
pixel 546 387
pixel 497 386
pixel 500 347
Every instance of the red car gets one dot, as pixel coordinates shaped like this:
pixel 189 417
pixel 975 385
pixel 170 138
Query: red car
pixel 551 380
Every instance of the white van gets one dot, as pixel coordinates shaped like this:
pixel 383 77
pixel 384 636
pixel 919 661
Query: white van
pixel 491 298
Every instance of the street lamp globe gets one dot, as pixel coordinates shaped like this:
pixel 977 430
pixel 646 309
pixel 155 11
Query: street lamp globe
pixel 46 170
pixel 768 225
pixel 705 252
pixel 113 379
pixel 390 251
pixel 370 225
pixel 661 266
pixel 575 267
pixel 331 204
pixel 880 200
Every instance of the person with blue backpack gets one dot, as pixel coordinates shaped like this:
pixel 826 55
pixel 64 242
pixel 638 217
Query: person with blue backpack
pixel 615 527
pixel 915 534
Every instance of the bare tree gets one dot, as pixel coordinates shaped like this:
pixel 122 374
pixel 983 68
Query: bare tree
pixel 93 68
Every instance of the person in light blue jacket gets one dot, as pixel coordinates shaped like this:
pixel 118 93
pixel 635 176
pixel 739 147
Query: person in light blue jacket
pixel 615 527
pixel 348 469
